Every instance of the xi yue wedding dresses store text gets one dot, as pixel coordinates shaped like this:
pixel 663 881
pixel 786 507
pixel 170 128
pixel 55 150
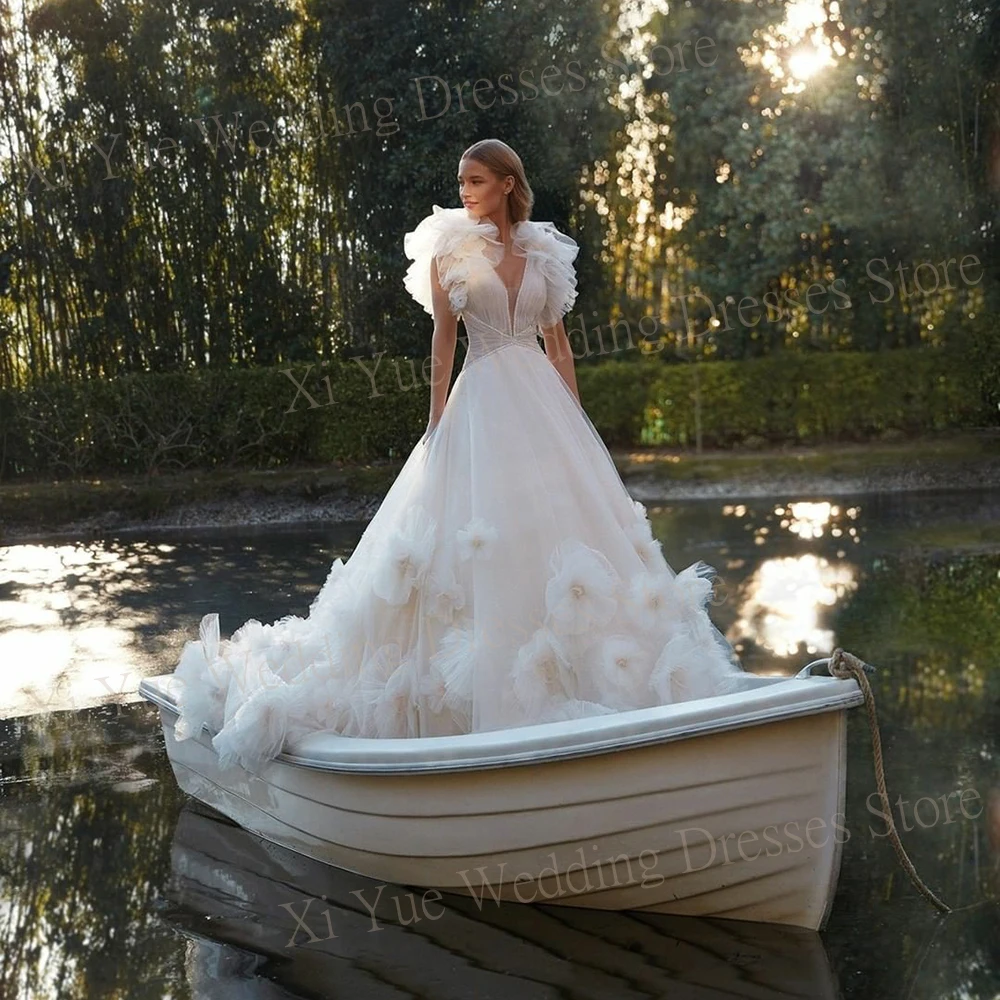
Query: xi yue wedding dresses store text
pixel 507 578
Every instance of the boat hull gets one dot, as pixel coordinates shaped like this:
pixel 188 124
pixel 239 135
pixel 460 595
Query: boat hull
pixel 746 824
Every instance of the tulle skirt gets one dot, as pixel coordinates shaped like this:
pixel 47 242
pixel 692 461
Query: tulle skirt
pixel 506 579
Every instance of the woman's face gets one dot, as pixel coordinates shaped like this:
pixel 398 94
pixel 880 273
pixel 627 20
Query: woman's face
pixel 482 191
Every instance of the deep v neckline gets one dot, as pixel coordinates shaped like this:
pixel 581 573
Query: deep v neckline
pixel 511 312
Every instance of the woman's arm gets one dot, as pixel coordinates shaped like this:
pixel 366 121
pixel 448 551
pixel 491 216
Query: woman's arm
pixel 559 352
pixel 442 347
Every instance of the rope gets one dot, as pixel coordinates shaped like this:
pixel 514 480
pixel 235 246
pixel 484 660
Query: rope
pixel 844 665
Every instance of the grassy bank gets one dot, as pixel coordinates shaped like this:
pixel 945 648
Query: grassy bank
pixel 957 458
pixel 36 507
pixel 939 454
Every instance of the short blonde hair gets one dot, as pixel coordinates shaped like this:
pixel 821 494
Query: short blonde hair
pixel 498 157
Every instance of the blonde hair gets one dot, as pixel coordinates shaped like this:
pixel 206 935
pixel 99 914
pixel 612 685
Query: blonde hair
pixel 498 157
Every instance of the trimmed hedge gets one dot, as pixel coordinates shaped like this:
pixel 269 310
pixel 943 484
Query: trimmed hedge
pixel 809 398
pixel 363 410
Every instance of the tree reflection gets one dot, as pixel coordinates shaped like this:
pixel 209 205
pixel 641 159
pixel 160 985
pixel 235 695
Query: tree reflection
pixel 81 856
pixel 931 629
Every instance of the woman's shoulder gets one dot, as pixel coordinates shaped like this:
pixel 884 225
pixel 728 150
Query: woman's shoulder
pixel 454 237
pixel 546 238
pixel 445 231
pixel 555 252
pixel 451 236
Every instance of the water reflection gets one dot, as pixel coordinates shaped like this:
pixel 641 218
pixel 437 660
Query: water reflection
pixel 63 617
pixel 808 520
pixel 86 621
pixel 785 606
pixel 333 926
pixel 90 807
pixel 805 519
pixel 90 903
pixel 790 568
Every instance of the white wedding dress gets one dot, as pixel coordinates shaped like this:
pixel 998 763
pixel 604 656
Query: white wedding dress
pixel 507 577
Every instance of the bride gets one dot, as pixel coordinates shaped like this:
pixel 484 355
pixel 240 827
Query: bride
pixel 507 577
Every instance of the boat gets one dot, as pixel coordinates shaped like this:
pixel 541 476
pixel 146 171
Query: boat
pixel 263 921
pixel 730 806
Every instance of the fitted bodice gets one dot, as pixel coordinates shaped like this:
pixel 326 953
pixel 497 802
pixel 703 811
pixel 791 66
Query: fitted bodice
pixel 496 317
pixel 466 252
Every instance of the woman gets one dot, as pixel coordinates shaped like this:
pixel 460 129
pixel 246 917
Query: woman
pixel 507 578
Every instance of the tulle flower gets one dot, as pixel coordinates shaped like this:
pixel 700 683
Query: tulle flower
pixel 249 633
pixel 477 539
pixel 332 705
pixel 623 667
pixel 332 687
pixel 678 659
pixel 403 563
pixel 694 585
pixel 443 595
pixel 275 643
pixel 581 593
pixel 204 681
pixel 694 665
pixel 258 728
pixel 654 602
pixel 449 682
pixel 386 691
pixel 296 645
pixel 331 587
pixel 542 672
pixel 640 534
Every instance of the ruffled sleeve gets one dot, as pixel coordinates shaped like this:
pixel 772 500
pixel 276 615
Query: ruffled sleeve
pixel 556 252
pixel 453 237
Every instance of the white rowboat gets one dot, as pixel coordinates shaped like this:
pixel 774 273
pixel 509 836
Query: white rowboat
pixel 731 806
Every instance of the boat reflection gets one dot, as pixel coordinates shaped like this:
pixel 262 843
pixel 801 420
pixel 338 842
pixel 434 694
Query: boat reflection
pixel 263 921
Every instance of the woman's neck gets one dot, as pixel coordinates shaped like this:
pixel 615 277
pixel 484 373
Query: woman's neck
pixel 504 227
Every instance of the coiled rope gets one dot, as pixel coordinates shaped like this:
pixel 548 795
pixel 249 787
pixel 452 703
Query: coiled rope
pixel 844 665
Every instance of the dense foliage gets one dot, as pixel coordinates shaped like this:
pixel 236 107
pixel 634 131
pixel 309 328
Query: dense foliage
pixel 227 185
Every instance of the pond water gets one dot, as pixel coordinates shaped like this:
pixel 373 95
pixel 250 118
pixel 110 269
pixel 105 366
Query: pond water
pixel 111 884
